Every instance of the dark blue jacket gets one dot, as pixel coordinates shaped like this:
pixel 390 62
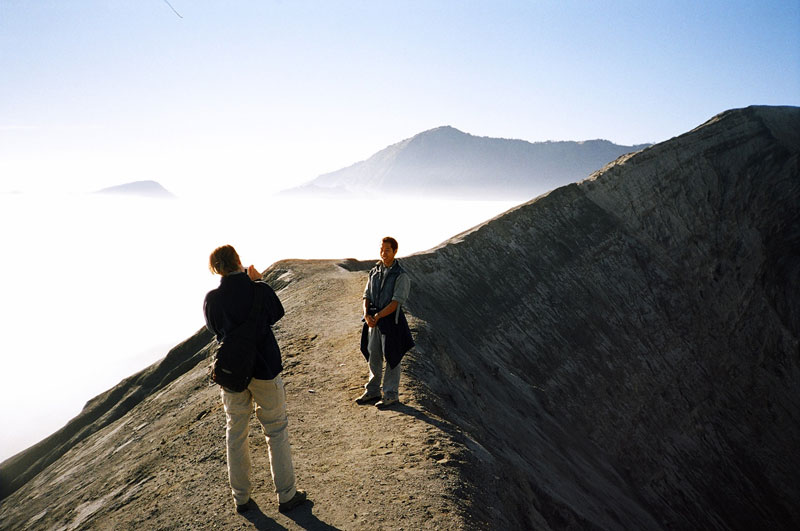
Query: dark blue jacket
pixel 229 305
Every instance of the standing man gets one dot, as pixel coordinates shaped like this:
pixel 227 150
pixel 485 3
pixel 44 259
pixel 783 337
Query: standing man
pixel 385 334
pixel 225 309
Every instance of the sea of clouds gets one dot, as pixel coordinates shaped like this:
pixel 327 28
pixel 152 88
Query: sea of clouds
pixel 98 287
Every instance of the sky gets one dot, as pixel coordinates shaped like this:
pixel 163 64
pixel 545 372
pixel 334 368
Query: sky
pixel 223 97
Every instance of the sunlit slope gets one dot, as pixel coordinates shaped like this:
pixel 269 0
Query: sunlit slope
pixel 626 349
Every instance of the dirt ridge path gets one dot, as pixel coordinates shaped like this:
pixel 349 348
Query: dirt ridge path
pixel 162 465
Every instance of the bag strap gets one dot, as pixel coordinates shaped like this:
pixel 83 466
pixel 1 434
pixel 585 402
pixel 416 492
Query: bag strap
pixel 255 310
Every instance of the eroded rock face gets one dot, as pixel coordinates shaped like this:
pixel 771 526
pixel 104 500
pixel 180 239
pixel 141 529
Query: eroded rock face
pixel 621 353
pixel 626 348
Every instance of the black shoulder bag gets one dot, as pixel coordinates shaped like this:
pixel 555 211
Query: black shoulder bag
pixel 236 356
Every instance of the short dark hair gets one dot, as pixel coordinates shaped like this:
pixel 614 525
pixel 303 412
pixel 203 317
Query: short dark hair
pixel 224 260
pixel 391 241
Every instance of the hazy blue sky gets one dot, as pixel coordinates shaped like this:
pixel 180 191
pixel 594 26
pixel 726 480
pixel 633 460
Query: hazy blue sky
pixel 266 94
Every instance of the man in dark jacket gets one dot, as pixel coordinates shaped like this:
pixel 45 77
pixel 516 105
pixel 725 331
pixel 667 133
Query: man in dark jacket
pixel 225 309
pixel 385 334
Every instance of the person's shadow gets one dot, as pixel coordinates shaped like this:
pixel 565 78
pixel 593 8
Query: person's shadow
pixel 418 414
pixel 304 517
pixel 301 515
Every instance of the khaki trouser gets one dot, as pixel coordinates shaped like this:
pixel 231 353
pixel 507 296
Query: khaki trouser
pixel 270 402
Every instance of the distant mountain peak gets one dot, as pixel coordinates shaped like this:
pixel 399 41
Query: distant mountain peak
pixel 445 161
pixel 443 129
pixel 150 189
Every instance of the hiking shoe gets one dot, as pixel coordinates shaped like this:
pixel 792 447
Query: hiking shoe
pixel 246 506
pixel 386 403
pixel 298 498
pixel 367 398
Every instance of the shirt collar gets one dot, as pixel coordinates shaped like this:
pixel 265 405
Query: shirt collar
pixel 234 277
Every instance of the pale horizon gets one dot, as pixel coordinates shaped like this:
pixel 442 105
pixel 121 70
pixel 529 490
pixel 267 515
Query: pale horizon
pixel 267 96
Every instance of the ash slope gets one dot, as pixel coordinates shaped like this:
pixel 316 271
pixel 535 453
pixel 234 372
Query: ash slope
pixel 626 348
pixel 621 353
pixel 447 162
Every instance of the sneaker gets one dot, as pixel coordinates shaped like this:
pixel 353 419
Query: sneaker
pixel 367 398
pixel 386 403
pixel 246 506
pixel 299 497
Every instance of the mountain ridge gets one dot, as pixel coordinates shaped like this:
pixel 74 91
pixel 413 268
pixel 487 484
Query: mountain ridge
pixel 445 161
pixel 618 353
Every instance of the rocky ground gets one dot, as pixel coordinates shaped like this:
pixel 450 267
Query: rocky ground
pixel 162 465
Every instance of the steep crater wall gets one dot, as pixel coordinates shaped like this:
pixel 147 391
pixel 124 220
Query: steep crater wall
pixel 626 348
